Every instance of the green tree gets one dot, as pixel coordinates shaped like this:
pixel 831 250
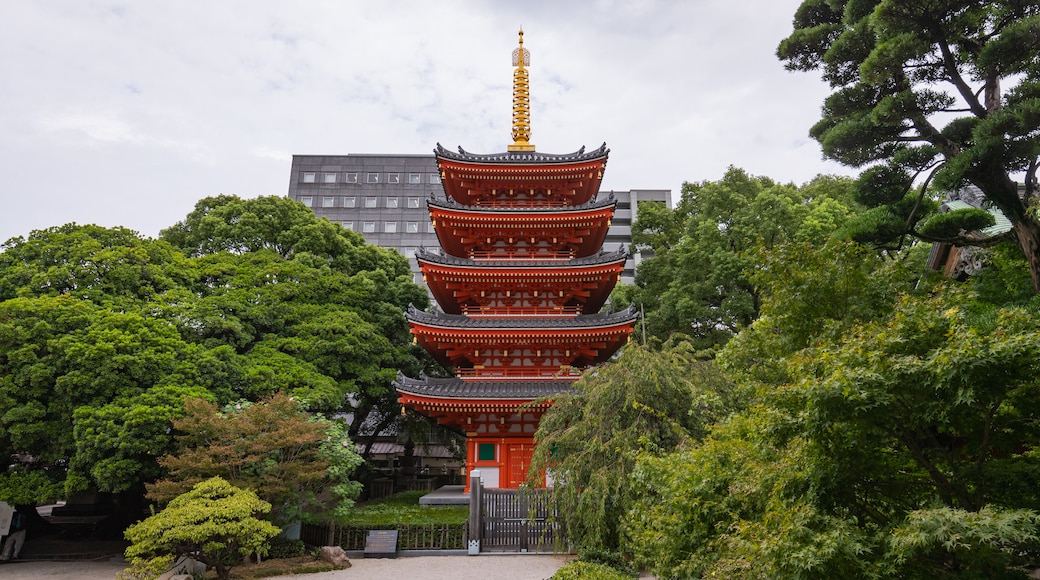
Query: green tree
pixel 103 265
pixel 698 282
pixel 292 459
pixel 891 436
pixel 587 442
pixel 214 522
pixel 274 277
pixel 102 333
pixel 928 92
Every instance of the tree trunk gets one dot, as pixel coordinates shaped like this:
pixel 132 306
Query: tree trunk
pixel 1027 231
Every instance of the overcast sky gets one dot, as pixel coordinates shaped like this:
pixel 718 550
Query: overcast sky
pixel 128 112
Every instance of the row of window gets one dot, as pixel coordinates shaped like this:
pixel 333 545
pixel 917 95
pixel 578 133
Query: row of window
pixel 388 227
pixel 370 201
pixel 352 177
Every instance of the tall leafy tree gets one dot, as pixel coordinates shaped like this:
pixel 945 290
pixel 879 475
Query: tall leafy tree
pixel 103 333
pixel 588 441
pixel 698 282
pixel 293 460
pixel 888 436
pixel 276 279
pixel 943 93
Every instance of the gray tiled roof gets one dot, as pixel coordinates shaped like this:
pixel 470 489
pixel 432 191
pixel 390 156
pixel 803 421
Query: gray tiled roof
pixel 522 157
pixel 455 388
pixel 439 257
pixel 454 205
pixel 600 319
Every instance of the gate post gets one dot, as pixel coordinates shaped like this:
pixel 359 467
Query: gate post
pixel 475 524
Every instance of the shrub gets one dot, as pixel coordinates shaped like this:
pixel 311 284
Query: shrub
pixel 214 523
pixel 286 548
pixel 579 570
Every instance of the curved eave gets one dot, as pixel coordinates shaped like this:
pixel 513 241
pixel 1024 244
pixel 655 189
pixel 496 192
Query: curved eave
pixel 603 261
pixel 513 158
pixel 587 323
pixel 468 177
pixel 451 207
pixel 455 389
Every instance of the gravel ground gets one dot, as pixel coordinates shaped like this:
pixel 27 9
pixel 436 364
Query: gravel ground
pixel 511 567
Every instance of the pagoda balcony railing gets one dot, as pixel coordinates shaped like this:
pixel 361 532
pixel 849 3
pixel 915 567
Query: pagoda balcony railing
pixel 521 311
pixel 516 255
pixel 523 203
pixel 517 374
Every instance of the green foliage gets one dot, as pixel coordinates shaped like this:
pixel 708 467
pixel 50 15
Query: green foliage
pixel 404 508
pixel 117 443
pixel 588 441
pixel 279 547
pixel 607 558
pixel 214 523
pixel 955 223
pixel 579 570
pixel 698 281
pixel 888 435
pixel 988 543
pixel 292 459
pixel 815 293
pixel 941 93
pixel 20 486
pixel 104 333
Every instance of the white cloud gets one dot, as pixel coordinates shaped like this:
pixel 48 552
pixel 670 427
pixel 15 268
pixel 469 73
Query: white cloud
pixel 153 106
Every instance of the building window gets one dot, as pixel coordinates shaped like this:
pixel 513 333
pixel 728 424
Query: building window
pixel 371 202
pixel 350 178
pixel 368 227
pixel 429 228
pixel 414 179
pixel 307 201
pixel 391 202
pixel 412 228
pixel 308 177
pixel 409 252
pixel 435 178
pixel 328 202
pixel 372 178
pixel 347 225
pixel 485 451
pixel 413 202
pixel 393 178
pixel 330 178
pixel 348 202
pixel 390 227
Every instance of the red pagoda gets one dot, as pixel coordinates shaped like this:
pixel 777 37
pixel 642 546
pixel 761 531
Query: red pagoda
pixel 520 279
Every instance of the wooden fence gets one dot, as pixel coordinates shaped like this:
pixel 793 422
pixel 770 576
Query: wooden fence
pixel 409 537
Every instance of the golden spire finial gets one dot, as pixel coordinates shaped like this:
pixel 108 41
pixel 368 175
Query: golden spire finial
pixel 521 99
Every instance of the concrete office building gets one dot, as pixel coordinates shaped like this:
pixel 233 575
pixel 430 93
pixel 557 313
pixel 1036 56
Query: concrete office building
pixel 383 197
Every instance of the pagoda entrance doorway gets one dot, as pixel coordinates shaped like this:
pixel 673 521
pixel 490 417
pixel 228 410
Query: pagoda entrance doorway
pixel 519 459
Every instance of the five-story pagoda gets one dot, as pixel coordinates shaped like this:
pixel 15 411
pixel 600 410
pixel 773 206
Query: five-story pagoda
pixel 521 278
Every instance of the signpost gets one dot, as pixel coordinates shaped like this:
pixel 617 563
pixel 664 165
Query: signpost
pixel 381 544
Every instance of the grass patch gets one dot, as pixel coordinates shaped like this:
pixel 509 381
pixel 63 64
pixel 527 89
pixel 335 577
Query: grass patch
pixel 404 508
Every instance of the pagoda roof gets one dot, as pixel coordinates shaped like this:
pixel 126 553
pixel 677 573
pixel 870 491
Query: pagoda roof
pixel 451 204
pixel 598 320
pixel 439 257
pixel 456 388
pixel 521 157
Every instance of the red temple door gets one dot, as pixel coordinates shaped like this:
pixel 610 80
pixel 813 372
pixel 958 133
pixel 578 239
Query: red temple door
pixel 519 458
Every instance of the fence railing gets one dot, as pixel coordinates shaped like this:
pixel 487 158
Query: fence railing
pixel 409 536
